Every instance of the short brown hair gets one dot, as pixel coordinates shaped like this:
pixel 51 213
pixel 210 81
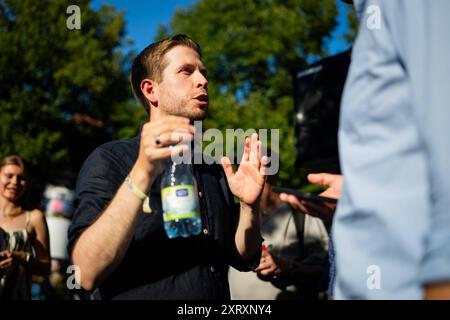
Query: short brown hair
pixel 151 62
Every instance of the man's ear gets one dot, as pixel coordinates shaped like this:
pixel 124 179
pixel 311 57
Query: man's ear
pixel 150 90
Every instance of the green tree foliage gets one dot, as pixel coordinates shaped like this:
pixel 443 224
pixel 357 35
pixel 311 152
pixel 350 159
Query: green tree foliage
pixel 62 92
pixel 251 48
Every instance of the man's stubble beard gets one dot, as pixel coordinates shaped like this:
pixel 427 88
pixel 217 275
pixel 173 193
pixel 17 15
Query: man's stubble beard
pixel 175 107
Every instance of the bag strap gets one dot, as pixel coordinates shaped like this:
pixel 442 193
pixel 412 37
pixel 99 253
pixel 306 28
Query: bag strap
pixel 299 221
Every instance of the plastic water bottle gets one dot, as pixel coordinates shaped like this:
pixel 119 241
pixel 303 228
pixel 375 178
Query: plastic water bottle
pixel 181 211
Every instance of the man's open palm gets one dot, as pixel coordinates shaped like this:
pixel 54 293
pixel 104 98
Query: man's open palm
pixel 248 181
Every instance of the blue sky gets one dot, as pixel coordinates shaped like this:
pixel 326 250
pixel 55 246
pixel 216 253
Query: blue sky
pixel 143 16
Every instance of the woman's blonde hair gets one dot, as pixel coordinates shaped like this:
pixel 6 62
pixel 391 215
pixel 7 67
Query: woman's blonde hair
pixel 14 160
pixel 21 163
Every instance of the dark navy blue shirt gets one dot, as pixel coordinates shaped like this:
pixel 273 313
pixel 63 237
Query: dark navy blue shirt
pixel 154 266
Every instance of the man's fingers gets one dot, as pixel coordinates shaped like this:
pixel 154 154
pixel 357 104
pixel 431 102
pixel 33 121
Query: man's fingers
pixel 166 152
pixel 258 269
pixel 294 202
pixel 330 193
pixel 262 265
pixel 323 179
pixel 334 183
pixel 322 211
pixel 246 154
pixel 164 130
pixel 265 161
pixel 309 207
pixel 227 168
pixel 255 146
pixel 177 151
pixel 175 137
pixel 267 271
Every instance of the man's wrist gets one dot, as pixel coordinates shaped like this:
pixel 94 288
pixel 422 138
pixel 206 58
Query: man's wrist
pixel 134 189
pixel 253 208
pixel 138 193
pixel 141 178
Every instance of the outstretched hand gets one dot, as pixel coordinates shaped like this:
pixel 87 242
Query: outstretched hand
pixel 324 211
pixel 247 182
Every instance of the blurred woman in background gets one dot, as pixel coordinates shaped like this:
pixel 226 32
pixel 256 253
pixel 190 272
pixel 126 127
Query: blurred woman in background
pixel 24 240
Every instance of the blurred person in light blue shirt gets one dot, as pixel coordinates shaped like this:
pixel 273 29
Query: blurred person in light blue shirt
pixel 391 230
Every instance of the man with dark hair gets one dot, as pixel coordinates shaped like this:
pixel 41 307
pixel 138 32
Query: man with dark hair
pixel 150 64
pixel 123 251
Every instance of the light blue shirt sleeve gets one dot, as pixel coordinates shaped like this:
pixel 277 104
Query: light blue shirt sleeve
pixel 392 225
pixel 429 73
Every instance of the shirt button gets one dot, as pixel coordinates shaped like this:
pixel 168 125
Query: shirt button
pixel 212 269
pixel 205 231
pixel 200 194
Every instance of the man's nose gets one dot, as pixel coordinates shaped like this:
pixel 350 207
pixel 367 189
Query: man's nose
pixel 201 80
